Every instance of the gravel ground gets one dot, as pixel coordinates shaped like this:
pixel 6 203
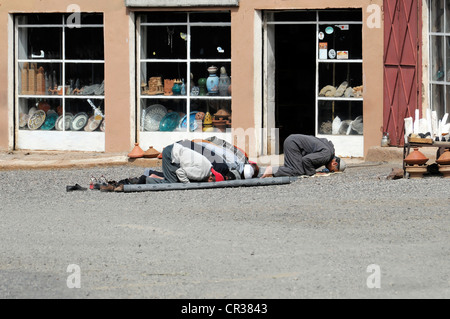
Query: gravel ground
pixel 314 238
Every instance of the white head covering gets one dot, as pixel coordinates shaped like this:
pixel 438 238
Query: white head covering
pixel 248 171
pixel 342 165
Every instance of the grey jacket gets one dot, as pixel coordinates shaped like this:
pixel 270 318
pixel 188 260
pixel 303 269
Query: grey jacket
pixel 303 154
pixel 193 165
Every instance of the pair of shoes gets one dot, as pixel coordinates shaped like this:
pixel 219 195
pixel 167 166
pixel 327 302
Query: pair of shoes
pixel 107 188
pixel 119 188
pixel 96 183
pixel 75 187
pixel 133 180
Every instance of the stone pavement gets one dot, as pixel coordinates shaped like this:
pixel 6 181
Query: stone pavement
pixel 15 160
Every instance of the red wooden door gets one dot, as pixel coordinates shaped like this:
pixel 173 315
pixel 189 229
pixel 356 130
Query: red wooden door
pixel 401 65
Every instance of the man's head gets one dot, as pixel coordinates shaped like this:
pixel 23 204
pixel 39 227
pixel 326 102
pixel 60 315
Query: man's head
pixel 337 164
pixel 251 170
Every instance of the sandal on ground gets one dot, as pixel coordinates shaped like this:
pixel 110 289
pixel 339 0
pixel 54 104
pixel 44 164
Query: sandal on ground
pixel 75 187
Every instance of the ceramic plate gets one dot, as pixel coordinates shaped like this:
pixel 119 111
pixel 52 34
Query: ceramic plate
pixel 102 126
pixel 169 122
pixel 92 124
pixel 153 116
pixel 50 121
pixel 23 120
pixel 59 123
pixel 79 121
pixel 36 120
pixel 193 124
pixel 69 119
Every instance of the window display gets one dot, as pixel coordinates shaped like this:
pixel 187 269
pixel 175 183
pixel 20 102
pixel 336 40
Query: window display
pixel 439 56
pixel 340 75
pixel 184 64
pixel 60 84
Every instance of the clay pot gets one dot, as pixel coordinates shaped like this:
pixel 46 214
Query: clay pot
pixel 151 153
pixel 444 159
pixel 221 124
pixel 222 113
pixel 137 152
pixel 416 158
pixel 44 106
pixel 200 116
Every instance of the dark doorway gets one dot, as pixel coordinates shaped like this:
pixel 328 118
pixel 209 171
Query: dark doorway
pixel 295 74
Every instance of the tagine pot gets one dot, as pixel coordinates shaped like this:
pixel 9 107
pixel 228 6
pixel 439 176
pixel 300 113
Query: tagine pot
pixel 137 152
pixel 444 159
pixel 151 153
pixel 416 158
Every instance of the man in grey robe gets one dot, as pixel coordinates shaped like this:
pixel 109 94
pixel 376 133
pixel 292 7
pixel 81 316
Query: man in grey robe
pixel 304 154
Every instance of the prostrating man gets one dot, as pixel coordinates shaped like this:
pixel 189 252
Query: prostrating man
pixel 304 154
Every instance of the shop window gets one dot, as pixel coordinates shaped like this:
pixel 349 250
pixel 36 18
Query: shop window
pixel 315 86
pixel 60 75
pixel 184 72
pixel 440 56
pixel 340 73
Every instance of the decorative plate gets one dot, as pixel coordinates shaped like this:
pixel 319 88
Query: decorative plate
pixel 23 120
pixel 59 123
pixel 36 120
pixel 169 122
pixel 79 121
pixel 153 116
pixel 92 124
pixel 69 119
pixel 50 121
pixel 193 124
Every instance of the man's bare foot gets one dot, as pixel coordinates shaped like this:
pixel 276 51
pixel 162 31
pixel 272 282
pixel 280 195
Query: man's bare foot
pixel 268 172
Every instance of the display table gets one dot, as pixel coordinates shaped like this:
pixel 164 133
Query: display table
pixel 416 143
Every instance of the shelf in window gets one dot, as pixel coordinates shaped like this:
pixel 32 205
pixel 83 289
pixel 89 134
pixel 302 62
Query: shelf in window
pixel 211 97
pixel 58 61
pixel 40 96
pixel 163 97
pixel 340 61
pixel 205 97
pixel 84 96
pixel 321 98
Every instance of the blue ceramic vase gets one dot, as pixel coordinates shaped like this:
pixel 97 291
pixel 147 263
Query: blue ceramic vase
pixel 212 82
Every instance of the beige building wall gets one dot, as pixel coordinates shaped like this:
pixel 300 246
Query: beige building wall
pixel 120 63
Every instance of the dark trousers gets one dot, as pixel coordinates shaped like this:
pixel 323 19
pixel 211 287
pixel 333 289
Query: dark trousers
pixel 169 169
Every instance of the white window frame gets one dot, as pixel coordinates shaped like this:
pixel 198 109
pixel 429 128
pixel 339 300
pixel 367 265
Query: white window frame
pixel 55 140
pixel 345 145
pixel 445 83
pixel 160 139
